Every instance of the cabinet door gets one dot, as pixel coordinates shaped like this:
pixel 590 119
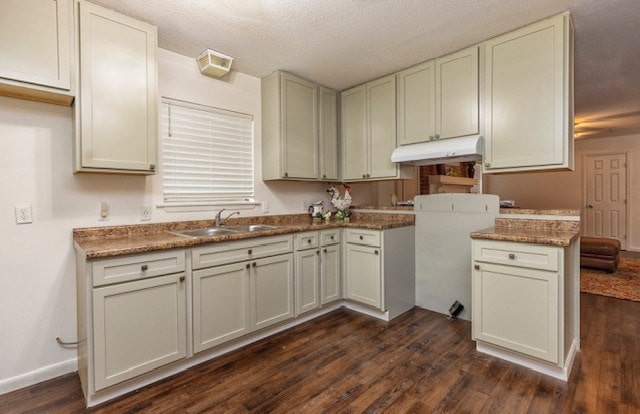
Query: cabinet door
pixel 272 290
pixel 328 130
pixel 526 97
pixel 307 280
pixel 517 309
pixel 354 133
pixel 416 104
pixel 299 127
pixel 330 273
pixel 381 122
pixel 457 94
pixel 35 42
pixel 118 91
pixel 363 274
pixel 221 305
pixel 137 327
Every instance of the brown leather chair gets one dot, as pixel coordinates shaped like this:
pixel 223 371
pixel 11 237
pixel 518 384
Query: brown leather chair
pixel 599 253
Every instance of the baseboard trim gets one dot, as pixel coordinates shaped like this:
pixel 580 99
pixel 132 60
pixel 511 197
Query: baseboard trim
pixel 537 365
pixel 38 375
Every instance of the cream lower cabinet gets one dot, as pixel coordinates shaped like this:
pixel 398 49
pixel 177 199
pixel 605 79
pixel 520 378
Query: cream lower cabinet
pixel 36 50
pixel 364 276
pixel 272 290
pixel 528 98
pixel 116 116
pixel 221 305
pixel 307 271
pixel 330 266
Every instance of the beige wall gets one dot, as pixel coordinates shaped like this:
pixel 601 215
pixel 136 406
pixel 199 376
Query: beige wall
pixel 564 189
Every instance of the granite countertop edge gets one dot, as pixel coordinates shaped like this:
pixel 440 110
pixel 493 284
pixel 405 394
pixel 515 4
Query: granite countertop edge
pixel 551 238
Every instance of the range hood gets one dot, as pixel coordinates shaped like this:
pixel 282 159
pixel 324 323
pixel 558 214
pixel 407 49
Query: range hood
pixel 440 152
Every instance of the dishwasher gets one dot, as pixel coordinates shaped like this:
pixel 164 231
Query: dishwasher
pixel 443 247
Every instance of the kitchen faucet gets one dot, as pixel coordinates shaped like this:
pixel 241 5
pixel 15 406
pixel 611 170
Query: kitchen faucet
pixel 219 218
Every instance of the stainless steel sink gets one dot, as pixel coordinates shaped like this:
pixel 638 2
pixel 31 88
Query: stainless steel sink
pixel 210 231
pixel 254 227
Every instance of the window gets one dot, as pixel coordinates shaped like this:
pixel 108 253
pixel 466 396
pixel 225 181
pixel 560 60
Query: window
pixel 207 155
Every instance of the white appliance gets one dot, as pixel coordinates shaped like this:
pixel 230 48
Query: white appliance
pixel 440 152
pixel 443 247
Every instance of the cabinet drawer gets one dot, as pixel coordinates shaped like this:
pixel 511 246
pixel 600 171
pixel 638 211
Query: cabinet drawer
pixel 309 240
pixel 232 252
pixel 328 237
pixel 122 269
pixel 366 237
pixel 516 254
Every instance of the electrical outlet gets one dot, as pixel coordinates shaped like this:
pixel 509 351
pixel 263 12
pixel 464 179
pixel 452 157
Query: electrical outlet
pixel 103 211
pixel 145 213
pixel 23 214
pixel 305 205
pixel 265 207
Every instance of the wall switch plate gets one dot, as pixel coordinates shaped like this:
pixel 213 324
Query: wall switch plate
pixel 23 214
pixel 305 206
pixel 265 207
pixel 145 213
pixel 103 211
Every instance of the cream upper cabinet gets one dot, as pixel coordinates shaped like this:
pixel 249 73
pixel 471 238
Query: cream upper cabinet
pixel 116 117
pixel 299 131
pixel 36 50
pixel 528 77
pixel 354 133
pixel 328 132
pixel 368 125
pixel 416 103
pixel 456 109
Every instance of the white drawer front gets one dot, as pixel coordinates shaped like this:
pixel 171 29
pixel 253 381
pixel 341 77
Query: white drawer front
pixel 308 240
pixel 516 254
pixel 329 237
pixel 233 252
pixel 365 237
pixel 122 269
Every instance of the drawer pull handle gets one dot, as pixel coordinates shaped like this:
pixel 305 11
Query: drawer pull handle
pixel 182 279
pixel 249 251
pixel 144 267
pixel 361 238
pixel 477 267
pixel 512 256
pixel 254 264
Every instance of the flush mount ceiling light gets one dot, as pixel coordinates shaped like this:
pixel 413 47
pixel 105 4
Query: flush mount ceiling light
pixel 215 64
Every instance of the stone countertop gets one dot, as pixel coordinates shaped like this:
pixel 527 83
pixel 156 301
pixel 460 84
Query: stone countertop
pixel 399 208
pixel 552 212
pixel 101 242
pixel 547 236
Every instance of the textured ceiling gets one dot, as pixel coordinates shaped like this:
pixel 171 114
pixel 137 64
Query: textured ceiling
pixel 342 43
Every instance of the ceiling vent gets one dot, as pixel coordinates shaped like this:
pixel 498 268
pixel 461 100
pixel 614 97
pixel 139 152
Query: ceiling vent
pixel 214 63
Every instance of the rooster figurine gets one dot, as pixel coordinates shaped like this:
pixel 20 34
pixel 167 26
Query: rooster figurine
pixel 342 203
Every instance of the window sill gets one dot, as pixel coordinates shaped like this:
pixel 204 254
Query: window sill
pixel 210 206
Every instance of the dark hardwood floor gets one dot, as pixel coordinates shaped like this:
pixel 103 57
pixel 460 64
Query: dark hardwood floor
pixel 346 362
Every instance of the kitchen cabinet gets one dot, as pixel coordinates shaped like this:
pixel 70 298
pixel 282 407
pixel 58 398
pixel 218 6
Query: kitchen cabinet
pixel 330 267
pixel 439 99
pixel 379 268
pixel 221 305
pixel 298 130
pixel 307 272
pixel 131 316
pixel 528 99
pixel 116 116
pixel 36 50
pixel 525 299
pixel 369 132
pixel 272 290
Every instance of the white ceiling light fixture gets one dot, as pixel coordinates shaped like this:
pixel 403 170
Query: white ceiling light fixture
pixel 215 64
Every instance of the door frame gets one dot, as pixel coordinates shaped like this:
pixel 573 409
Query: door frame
pixel 624 243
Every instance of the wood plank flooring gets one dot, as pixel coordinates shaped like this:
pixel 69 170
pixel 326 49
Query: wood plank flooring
pixel 346 362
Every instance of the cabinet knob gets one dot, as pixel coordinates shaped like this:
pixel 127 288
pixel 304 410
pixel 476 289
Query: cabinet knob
pixel 248 265
pixel 182 279
pixel 512 256
pixel 364 175
pixel 431 137
pixel 487 164
pixel 249 251
pixel 317 251
pixel 361 238
pixel 368 175
pixel 477 267
pixel 333 237
pixel 376 252
pixel 437 136
pixel 254 264
pixel 324 176
pixel 286 174
pixel 144 267
pixel 152 167
pixel 309 241
pixel 325 250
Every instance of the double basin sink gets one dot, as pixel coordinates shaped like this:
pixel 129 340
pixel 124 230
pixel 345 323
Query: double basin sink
pixel 222 231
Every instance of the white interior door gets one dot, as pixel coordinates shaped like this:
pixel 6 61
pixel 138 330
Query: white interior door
pixel 606 196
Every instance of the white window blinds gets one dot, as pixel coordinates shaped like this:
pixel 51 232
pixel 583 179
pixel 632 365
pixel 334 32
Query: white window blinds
pixel 207 154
